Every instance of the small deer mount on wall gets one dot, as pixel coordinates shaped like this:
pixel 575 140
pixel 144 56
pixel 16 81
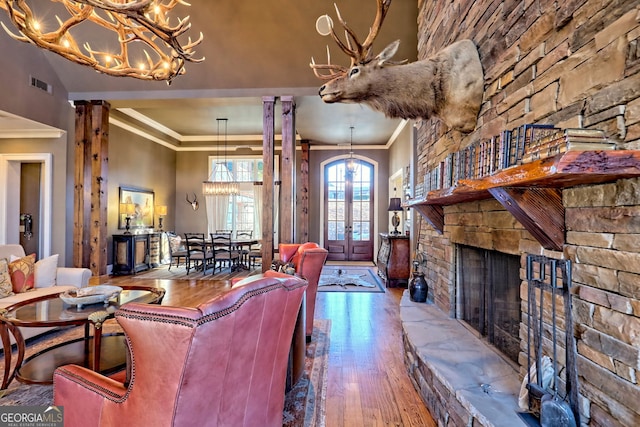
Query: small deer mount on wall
pixel 194 204
pixel 448 85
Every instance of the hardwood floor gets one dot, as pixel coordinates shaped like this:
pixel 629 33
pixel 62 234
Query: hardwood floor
pixel 368 384
pixel 367 381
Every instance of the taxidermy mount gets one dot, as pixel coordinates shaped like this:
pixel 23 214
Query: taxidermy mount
pixel 449 85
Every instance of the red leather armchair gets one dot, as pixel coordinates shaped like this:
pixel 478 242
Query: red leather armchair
pixel 222 363
pixel 308 258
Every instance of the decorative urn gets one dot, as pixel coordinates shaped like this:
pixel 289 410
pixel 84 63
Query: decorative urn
pixel 418 288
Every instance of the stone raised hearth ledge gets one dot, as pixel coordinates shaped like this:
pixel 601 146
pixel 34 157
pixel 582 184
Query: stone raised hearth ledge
pixel 451 368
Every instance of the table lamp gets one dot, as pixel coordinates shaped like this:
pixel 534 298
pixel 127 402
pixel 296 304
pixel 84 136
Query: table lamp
pixel 128 209
pixel 162 211
pixel 395 206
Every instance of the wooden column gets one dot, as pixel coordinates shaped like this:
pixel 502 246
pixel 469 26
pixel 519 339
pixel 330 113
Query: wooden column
pixel 303 221
pixel 90 186
pixel 268 179
pixel 288 172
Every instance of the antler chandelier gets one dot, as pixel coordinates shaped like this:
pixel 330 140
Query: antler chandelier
pixel 142 28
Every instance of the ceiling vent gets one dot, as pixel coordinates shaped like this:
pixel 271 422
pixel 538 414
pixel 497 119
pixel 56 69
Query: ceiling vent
pixel 37 83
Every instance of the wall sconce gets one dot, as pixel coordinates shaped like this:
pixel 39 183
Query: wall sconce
pixel 162 211
pixel 128 209
pixel 395 206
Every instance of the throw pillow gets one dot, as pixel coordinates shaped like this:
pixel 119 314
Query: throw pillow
pixel 22 272
pixel 175 243
pixel 46 271
pixel 6 289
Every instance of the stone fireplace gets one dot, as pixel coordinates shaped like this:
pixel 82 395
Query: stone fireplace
pixel 571 65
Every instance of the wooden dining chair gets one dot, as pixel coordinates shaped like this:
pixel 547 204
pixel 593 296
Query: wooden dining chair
pixel 177 249
pixel 199 256
pixel 224 253
pixel 244 251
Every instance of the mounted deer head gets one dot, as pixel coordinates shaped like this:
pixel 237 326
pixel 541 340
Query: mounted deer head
pixel 449 85
pixel 194 204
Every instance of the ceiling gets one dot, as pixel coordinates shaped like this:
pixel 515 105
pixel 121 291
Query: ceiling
pixel 252 49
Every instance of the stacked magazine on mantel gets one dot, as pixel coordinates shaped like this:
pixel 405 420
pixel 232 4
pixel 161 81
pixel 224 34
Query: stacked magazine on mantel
pixel 570 139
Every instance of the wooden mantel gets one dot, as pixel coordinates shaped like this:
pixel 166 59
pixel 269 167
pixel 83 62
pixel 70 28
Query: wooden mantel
pixel 532 192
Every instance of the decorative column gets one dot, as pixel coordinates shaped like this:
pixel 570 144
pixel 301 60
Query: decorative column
pixel 90 186
pixel 287 203
pixel 268 138
pixel 303 221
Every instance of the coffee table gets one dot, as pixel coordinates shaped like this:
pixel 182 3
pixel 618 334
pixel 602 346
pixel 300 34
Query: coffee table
pixel 102 354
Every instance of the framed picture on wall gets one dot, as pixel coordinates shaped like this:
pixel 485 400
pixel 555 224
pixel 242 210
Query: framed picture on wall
pixel 138 204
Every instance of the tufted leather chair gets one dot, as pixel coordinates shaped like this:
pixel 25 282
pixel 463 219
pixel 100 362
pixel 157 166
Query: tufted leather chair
pixel 308 258
pixel 222 363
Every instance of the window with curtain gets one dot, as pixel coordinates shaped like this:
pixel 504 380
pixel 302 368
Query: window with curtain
pixel 243 210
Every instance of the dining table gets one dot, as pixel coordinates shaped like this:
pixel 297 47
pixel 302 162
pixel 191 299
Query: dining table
pixel 238 244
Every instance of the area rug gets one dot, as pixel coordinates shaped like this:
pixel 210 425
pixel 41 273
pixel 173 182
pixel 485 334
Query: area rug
pixel 162 272
pixel 304 403
pixel 336 278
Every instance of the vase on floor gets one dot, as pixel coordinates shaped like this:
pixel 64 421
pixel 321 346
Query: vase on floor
pixel 418 288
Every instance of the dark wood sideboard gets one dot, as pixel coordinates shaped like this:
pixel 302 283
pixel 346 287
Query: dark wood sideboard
pixel 133 253
pixel 393 263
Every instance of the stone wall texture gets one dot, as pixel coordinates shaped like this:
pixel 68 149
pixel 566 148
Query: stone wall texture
pixel 574 63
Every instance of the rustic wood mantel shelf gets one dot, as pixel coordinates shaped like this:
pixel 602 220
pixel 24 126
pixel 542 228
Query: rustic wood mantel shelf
pixel 532 192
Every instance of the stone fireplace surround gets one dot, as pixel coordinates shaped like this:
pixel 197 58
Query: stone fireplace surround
pixel 570 64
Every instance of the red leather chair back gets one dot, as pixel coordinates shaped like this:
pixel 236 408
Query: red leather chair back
pixel 220 364
pixel 308 258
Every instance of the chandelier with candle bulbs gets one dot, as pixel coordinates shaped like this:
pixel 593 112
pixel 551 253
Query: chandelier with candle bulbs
pixel 220 181
pixel 148 43
pixel 351 165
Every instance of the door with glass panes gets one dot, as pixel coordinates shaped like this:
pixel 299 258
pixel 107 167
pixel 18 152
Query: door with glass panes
pixel 348 211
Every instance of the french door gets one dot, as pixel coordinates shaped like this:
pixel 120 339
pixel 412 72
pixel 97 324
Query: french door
pixel 348 211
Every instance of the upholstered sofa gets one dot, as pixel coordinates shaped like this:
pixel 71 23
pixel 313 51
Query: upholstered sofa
pixel 53 280
pixel 222 363
pixel 308 260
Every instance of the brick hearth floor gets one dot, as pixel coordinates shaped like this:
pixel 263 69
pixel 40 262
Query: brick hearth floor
pixel 461 380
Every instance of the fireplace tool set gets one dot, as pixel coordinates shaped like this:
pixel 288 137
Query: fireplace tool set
pixel 556 407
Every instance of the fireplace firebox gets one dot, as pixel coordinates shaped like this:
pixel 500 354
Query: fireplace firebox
pixel 489 296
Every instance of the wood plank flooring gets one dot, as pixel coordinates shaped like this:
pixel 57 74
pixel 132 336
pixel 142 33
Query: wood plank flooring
pixel 368 384
pixel 367 380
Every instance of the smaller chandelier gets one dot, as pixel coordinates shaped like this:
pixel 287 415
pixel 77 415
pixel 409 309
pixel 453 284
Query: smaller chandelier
pixel 351 165
pixel 140 28
pixel 224 184
pixel 220 182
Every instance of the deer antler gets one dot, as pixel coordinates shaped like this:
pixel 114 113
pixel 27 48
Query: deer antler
pixel 133 21
pixel 361 53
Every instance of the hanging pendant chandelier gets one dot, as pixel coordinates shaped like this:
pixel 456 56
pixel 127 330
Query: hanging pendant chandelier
pixel 352 164
pixel 220 182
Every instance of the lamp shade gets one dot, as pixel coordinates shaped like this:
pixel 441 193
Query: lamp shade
pixel 161 210
pixel 127 208
pixel 395 204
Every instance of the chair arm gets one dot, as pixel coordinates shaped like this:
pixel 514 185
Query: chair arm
pixel 69 377
pixel 83 393
pixel 78 277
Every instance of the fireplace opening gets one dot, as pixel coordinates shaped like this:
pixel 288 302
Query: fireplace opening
pixel 489 296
